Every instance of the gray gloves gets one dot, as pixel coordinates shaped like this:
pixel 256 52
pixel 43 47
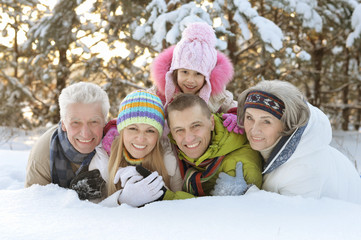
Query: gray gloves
pixel 88 185
pixel 231 186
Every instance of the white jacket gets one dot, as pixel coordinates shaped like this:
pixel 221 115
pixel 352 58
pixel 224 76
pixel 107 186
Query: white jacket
pixel 312 168
pixel 100 161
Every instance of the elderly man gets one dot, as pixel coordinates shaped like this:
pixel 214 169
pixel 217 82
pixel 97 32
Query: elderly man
pixel 66 154
pixel 206 151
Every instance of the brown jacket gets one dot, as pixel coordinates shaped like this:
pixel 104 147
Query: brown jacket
pixel 38 168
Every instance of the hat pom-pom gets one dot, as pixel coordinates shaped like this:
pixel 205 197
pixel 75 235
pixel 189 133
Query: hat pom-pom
pixel 200 31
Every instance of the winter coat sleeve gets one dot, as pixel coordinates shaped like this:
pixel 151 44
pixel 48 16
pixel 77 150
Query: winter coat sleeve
pixel 100 162
pixel 38 166
pixel 169 195
pixel 222 102
pixel 299 179
pixel 171 165
pixel 252 164
pixel 111 201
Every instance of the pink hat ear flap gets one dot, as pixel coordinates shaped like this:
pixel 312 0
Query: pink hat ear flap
pixel 205 91
pixel 170 88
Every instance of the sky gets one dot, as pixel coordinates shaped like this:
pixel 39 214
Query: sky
pixel 51 212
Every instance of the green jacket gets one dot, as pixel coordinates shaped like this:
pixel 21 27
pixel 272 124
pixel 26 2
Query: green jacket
pixel 235 148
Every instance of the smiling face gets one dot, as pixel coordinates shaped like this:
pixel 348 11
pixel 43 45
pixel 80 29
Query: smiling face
pixel 84 126
pixel 140 139
pixel 262 128
pixel 192 130
pixel 190 81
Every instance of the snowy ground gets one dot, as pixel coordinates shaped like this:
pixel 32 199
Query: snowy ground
pixel 50 212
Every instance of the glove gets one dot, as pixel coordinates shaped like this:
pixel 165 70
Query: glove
pixel 138 191
pixel 230 122
pixel 123 175
pixel 145 173
pixel 231 186
pixel 109 138
pixel 88 184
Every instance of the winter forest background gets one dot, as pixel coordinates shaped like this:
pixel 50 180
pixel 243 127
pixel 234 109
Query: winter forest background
pixel 47 45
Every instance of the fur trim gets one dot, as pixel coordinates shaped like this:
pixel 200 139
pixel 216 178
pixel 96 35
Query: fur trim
pixel 221 75
pixel 160 67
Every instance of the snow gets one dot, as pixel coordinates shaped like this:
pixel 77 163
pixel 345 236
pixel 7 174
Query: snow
pixel 51 212
pixel 306 9
pixel 356 25
pixel 154 29
pixel 304 56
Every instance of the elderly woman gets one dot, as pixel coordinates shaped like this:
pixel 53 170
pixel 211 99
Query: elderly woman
pixel 294 139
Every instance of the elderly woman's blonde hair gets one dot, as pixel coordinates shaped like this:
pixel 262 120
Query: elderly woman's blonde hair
pixel 296 112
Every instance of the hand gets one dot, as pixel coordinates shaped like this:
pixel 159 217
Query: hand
pixel 88 184
pixel 138 191
pixel 109 138
pixel 230 122
pixel 231 186
pixel 123 175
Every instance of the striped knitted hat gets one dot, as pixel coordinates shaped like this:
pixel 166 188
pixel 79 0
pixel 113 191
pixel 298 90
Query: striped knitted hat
pixel 141 107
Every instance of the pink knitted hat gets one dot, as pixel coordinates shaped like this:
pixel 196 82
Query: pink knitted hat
pixel 195 51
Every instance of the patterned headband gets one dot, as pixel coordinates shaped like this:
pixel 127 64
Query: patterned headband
pixel 266 102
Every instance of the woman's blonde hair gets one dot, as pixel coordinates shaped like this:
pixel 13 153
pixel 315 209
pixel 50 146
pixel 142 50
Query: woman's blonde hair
pixel 153 161
pixel 296 112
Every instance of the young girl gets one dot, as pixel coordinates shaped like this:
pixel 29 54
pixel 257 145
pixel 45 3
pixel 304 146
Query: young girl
pixel 140 125
pixel 195 66
pixel 192 66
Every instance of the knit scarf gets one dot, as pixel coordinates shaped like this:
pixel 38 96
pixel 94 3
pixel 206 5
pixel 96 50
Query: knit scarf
pixel 193 176
pixel 62 154
pixel 131 161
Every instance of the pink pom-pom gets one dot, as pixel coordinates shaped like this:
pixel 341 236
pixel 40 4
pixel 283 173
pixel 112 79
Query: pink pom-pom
pixel 200 31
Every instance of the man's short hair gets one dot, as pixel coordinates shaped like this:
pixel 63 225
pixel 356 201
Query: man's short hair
pixel 83 92
pixel 188 100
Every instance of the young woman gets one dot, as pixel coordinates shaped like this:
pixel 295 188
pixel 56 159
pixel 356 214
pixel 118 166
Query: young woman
pixel 140 125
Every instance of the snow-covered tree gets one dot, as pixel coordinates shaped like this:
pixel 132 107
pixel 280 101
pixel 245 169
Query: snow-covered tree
pixel 314 44
pixel 51 38
pixel 126 70
pixel 248 38
pixel 315 54
pixel 15 87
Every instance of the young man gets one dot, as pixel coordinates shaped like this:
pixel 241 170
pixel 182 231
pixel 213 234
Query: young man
pixel 65 153
pixel 206 150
